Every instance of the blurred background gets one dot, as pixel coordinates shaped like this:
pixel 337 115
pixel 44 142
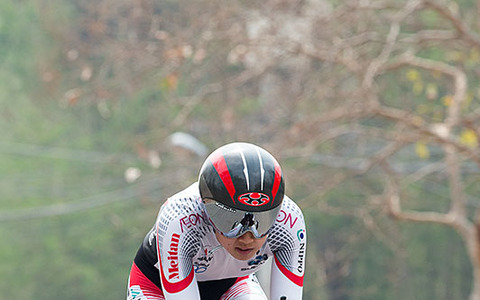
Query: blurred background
pixel 372 107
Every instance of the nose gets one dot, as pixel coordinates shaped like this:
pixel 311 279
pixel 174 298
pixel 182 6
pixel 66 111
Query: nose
pixel 246 238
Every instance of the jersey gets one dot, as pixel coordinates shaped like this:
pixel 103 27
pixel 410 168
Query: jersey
pixel 184 250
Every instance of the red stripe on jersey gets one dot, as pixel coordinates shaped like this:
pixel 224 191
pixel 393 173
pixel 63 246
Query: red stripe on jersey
pixel 138 280
pixel 173 287
pixel 240 287
pixel 220 165
pixel 241 278
pixel 276 181
pixel 298 280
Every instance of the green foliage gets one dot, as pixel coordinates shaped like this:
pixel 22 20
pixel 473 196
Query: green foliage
pixel 72 224
pixel 84 253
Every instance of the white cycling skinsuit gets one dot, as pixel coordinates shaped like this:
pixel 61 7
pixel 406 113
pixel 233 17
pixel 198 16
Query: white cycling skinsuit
pixel 181 259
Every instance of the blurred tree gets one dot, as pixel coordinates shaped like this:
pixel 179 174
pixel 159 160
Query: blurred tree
pixel 372 105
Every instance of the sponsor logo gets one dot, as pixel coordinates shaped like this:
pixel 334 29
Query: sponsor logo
pixel 254 199
pixel 257 261
pixel 260 259
pixel 301 234
pixel 301 257
pixel 199 268
pixel 286 219
pixel 225 207
pixel 203 262
pixel 191 220
pixel 172 257
pixel 135 293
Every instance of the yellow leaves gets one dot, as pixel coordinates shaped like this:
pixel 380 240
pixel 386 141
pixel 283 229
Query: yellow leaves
pixel 430 86
pixel 415 78
pixel 413 75
pixel 421 149
pixel 469 58
pixel 447 100
pixel 468 137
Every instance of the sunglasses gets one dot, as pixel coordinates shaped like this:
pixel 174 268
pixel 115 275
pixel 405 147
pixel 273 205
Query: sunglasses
pixel 233 223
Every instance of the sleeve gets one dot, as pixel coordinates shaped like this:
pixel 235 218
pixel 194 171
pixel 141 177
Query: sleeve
pixel 175 250
pixel 288 266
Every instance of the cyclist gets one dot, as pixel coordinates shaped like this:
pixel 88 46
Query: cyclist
pixel 210 239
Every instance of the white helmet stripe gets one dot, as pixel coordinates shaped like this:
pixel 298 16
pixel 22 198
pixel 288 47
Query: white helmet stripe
pixel 262 170
pixel 245 169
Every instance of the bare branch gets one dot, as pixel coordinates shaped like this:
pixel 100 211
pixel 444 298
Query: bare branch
pixel 419 124
pixel 382 155
pixel 330 55
pixel 472 117
pixel 392 36
pixel 392 196
pixel 194 101
pixel 458 75
pixel 456 21
pixel 421 173
pixel 457 193
pixel 428 36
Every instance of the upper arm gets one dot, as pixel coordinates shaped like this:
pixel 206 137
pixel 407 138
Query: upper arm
pixel 174 257
pixel 285 282
pixel 288 267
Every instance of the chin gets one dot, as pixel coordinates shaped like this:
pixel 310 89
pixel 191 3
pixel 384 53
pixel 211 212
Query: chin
pixel 244 256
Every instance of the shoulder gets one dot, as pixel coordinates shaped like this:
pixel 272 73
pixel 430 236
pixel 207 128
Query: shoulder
pixel 187 196
pixel 183 202
pixel 182 211
pixel 290 214
pixel 289 228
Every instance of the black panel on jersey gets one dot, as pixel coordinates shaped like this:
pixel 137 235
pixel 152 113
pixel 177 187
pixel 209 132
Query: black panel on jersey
pixel 214 289
pixel 147 266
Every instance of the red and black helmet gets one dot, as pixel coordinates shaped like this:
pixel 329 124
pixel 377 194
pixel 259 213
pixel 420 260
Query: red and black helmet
pixel 242 180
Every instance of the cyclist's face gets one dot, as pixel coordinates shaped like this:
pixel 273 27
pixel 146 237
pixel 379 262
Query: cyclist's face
pixel 244 247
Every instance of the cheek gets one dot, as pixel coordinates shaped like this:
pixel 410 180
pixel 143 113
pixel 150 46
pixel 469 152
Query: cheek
pixel 261 242
pixel 258 244
pixel 225 242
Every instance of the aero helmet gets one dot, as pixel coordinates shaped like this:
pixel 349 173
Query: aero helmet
pixel 242 187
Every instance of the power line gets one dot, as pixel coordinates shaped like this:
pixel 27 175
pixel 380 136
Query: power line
pixel 91 202
pixel 22 149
